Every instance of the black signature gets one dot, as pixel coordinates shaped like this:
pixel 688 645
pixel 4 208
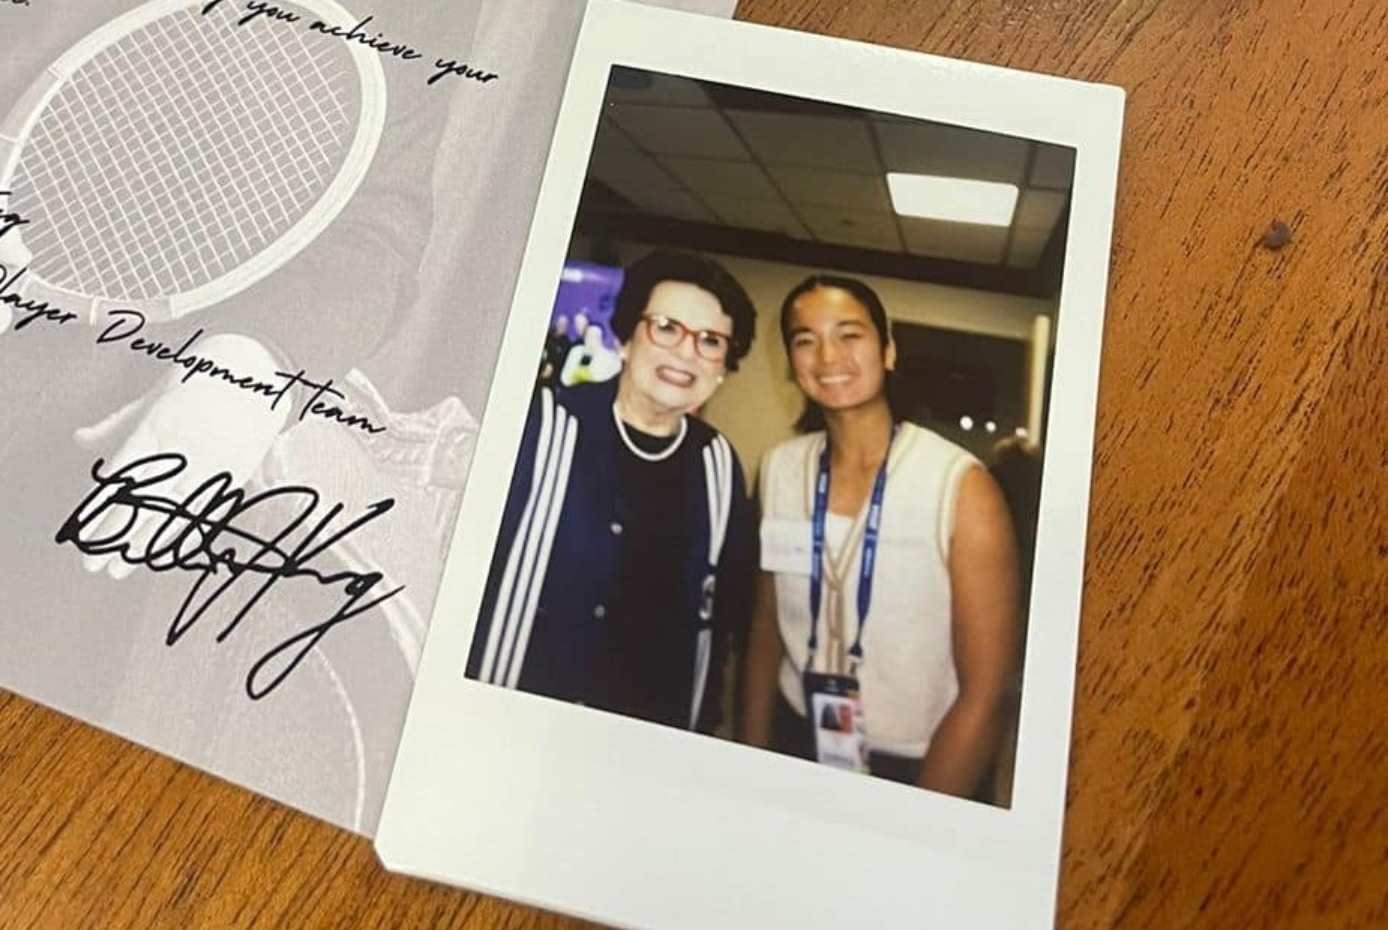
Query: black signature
pixel 199 534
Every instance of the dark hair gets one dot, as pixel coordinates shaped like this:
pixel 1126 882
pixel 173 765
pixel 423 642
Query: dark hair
pixel 642 276
pixel 1016 467
pixel 812 417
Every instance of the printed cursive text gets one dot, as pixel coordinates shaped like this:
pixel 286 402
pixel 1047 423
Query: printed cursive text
pixel 358 34
pixel 126 324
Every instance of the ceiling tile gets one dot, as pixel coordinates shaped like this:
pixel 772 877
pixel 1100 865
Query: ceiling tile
pixel 967 242
pixel 766 214
pixel 1039 209
pixel 865 192
pixel 952 151
pixel 624 171
pixel 600 197
pixel 672 202
pixel 640 179
pixel 679 131
pixel 836 142
pixel 852 227
pixel 1027 246
pixel 632 85
pixel 610 137
pixel 718 176
pixel 1054 166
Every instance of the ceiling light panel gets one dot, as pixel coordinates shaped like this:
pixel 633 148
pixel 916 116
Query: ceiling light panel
pixel 957 200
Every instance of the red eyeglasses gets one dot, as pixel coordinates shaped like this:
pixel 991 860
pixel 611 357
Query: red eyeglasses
pixel 710 345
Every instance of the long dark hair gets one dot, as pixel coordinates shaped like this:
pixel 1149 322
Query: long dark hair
pixel 812 416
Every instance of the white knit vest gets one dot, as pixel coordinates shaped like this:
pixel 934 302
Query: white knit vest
pixel 907 675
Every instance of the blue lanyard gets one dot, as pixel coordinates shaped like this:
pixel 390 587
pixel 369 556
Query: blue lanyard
pixel 869 561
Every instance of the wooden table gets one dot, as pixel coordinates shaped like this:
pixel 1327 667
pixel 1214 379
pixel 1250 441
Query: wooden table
pixel 1230 765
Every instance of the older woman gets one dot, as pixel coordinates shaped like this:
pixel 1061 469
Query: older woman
pixel 890 572
pixel 627 547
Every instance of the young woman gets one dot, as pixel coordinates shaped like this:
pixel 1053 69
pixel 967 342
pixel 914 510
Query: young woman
pixel 889 578
pixel 626 559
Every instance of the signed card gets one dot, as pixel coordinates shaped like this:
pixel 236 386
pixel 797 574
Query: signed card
pixel 621 628
pixel 255 260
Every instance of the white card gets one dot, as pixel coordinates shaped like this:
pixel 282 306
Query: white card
pixel 674 124
pixel 205 207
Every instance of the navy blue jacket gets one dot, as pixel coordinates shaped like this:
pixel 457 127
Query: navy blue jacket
pixel 542 622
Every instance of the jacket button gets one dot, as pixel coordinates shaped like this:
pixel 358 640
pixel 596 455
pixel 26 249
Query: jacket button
pixel 600 611
pixel 616 529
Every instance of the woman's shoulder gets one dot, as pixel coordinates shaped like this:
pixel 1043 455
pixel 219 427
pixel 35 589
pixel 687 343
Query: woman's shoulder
pixel 796 446
pixel 704 436
pixel 704 433
pixel 792 453
pixel 927 445
pixel 584 400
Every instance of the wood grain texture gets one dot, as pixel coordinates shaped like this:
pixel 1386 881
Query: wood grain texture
pixel 1230 764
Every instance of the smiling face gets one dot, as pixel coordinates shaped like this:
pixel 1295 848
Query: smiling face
pixel 660 382
pixel 836 352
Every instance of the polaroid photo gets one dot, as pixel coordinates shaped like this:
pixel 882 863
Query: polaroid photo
pixel 769 564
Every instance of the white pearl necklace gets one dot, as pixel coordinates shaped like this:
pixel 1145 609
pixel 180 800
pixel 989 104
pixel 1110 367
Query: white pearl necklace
pixel 640 453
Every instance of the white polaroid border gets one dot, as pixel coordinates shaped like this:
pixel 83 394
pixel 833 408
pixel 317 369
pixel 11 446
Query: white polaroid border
pixel 635 824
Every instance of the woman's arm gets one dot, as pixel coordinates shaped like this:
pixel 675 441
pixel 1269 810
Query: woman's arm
pixel 762 666
pixel 522 483
pixel 983 580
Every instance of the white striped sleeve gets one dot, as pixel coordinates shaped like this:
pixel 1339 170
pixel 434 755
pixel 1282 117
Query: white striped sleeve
pixel 548 520
pixel 524 571
pixel 718 486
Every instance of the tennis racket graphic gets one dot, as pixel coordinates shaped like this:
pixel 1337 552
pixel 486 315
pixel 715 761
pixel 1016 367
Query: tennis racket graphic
pixel 171 159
